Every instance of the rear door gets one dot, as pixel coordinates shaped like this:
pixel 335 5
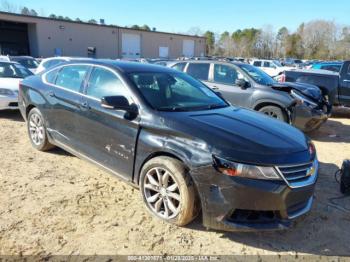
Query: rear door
pixel 344 86
pixel 224 81
pixel 199 71
pixel 106 135
pixel 65 98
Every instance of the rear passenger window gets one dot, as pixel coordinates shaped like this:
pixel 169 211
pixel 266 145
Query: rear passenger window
pixel 266 64
pixel 103 83
pixel 71 77
pixel 199 70
pixel 257 63
pixel 179 66
pixel 51 76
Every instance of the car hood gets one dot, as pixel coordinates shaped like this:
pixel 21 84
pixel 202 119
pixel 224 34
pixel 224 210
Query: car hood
pixel 10 83
pixel 243 135
pixel 310 91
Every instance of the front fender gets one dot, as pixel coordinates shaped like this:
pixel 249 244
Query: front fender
pixel 192 152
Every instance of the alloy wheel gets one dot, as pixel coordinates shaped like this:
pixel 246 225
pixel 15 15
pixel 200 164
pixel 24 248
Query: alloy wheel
pixel 36 129
pixel 162 193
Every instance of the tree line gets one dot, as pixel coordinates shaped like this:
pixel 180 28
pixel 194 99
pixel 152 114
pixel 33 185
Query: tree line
pixel 7 6
pixel 317 39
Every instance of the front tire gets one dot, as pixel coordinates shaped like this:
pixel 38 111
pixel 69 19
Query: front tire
pixel 168 191
pixel 37 131
pixel 274 112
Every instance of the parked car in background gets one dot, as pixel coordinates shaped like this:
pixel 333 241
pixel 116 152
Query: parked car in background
pixel 292 62
pixel 11 74
pixel 53 61
pixel 271 67
pixel 244 85
pixel 27 61
pixel 331 66
pixel 174 138
pixel 335 86
pixel 4 58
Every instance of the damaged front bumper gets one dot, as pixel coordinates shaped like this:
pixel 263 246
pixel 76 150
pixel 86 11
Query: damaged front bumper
pixel 308 118
pixel 240 204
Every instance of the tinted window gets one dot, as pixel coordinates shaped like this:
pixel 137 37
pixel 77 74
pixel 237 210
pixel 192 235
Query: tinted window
pixel 179 66
pixel 225 74
pixel 27 62
pixel 71 77
pixel 175 92
pixel 266 64
pixel 257 63
pixel 257 74
pixel 199 70
pixel 51 76
pixel 9 70
pixel 52 63
pixel 103 82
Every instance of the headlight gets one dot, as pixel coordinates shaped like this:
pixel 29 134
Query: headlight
pixel 234 169
pixel 302 99
pixel 6 92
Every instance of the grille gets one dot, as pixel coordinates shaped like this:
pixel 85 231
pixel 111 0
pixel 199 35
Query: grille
pixel 296 173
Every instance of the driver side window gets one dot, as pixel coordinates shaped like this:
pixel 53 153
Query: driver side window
pixel 103 83
pixel 225 74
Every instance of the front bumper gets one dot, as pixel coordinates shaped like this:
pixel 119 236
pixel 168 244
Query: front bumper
pixel 308 119
pixel 239 204
pixel 9 102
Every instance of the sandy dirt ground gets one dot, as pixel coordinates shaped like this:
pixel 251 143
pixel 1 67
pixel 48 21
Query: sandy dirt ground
pixel 56 204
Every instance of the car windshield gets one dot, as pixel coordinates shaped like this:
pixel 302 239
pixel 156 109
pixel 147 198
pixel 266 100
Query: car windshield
pixel 175 92
pixel 258 75
pixel 9 70
pixel 277 63
pixel 28 63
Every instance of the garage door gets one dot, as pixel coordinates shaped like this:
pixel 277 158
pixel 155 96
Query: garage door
pixel 188 48
pixel 13 38
pixel 131 46
pixel 163 52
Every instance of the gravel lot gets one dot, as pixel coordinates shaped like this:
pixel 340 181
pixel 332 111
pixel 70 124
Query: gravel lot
pixel 54 203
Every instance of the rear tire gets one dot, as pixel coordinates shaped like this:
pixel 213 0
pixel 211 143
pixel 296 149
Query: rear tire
pixel 37 131
pixel 275 112
pixel 168 191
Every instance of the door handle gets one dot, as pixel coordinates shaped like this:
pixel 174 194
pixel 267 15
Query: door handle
pixel 346 80
pixel 215 88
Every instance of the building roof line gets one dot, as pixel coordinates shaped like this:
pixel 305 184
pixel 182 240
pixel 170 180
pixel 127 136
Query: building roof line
pixel 93 24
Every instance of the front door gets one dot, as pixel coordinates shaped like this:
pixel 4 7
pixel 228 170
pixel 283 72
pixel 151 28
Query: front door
pixel 106 135
pixel 224 78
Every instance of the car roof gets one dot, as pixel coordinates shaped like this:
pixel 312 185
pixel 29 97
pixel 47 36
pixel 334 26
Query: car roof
pixel 315 71
pixel 214 62
pixel 125 66
pixel 8 62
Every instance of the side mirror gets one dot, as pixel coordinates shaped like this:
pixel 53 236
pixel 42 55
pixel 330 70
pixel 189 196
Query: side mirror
pixel 219 94
pixel 118 103
pixel 242 83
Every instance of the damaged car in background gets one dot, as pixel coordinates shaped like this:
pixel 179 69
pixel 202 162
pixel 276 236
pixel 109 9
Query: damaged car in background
pixel 184 146
pixel 302 105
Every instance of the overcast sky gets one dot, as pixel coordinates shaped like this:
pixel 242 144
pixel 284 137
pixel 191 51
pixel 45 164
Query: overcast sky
pixel 181 15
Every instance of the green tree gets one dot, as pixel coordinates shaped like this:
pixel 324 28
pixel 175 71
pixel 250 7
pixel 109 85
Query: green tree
pixel 145 27
pixel 25 11
pixel 92 21
pixel 210 42
pixel 53 16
